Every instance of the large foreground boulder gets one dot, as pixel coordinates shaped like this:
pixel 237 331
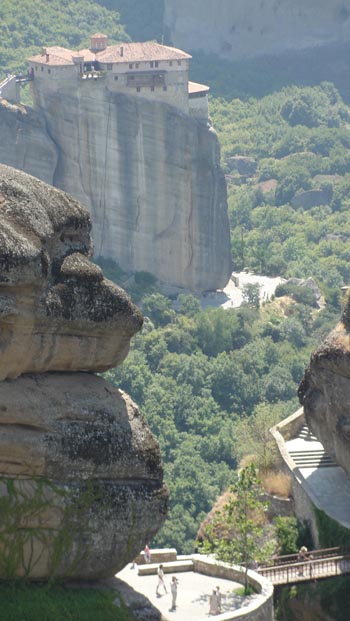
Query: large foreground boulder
pixel 81 478
pixel 57 312
pixel 86 481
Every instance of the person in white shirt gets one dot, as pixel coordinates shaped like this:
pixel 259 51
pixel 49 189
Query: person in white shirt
pixel 161 582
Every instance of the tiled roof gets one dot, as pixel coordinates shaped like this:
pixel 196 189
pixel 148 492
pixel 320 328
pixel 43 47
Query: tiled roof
pixel 121 53
pixel 133 52
pixel 55 56
pixel 99 35
pixel 195 87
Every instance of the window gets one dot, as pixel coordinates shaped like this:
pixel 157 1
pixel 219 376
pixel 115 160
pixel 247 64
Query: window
pixel 130 66
pixel 138 89
pixel 170 63
pixel 156 64
pixel 116 77
pixel 42 68
pixel 179 62
pixel 151 64
pixel 109 66
pixel 49 71
pixel 137 65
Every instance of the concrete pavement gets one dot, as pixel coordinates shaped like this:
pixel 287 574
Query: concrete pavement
pixel 194 590
pixel 328 483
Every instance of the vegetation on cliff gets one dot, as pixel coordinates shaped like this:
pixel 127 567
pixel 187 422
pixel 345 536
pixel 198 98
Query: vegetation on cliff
pixel 21 602
pixel 28 25
pixel 196 374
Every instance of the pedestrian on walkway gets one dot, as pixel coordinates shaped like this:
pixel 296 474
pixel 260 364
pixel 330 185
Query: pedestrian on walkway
pixel 218 596
pixel 161 581
pixel 173 588
pixel 213 603
pixel 147 554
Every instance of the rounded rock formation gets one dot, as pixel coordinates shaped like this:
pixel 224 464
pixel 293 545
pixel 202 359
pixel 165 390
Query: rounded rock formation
pixel 81 478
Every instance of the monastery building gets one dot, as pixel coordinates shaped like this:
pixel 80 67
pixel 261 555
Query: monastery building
pixel 150 70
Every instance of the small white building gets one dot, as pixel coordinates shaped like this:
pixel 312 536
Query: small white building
pixel 149 70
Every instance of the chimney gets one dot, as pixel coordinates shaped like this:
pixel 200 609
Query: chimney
pixel 122 51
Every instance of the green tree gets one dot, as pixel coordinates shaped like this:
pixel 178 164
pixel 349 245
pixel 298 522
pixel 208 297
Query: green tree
pixel 251 294
pixel 253 437
pixel 234 535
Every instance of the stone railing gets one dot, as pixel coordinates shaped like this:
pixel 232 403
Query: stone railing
pixel 260 608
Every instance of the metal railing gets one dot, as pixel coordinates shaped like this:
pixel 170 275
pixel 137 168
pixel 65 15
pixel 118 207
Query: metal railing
pixel 316 565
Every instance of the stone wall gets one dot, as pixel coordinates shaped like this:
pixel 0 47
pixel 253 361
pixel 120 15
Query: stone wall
pixel 259 609
pixel 303 504
pixel 9 89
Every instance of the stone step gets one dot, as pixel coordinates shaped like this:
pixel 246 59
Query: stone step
pixel 309 459
pixel 168 568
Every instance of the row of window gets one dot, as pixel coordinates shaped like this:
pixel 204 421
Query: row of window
pixel 152 64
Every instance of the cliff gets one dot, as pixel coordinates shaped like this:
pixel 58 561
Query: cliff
pixel 251 28
pixel 81 478
pixel 149 175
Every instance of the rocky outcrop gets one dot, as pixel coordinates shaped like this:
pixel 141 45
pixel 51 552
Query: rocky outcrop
pixel 247 28
pixel 86 475
pixel 325 392
pixel 312 198
pixel 246 166
pixel 149 175
pixel 81 481
pixel 57 310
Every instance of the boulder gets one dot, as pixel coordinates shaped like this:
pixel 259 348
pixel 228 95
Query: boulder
pixel 81 477
pixel 325 392
pixel 244 165
pixel 57 311
pixel 312 198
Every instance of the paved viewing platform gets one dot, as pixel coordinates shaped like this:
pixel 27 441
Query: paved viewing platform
pixel 194 589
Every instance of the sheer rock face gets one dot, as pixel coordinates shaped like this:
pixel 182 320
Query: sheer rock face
pixel 149 175
pixel 57 312
pixel 73 440
pixel 247 28
pixel 325 393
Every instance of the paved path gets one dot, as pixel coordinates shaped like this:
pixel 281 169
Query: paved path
pixel 327 482
pixel 231 296
pixel 193 594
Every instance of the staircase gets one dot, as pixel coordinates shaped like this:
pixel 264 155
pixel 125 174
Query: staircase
pixel 312 458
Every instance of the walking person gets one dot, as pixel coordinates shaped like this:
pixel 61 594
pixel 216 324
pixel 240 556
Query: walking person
pixel 173 588
pixel 161 581
pixel 213 603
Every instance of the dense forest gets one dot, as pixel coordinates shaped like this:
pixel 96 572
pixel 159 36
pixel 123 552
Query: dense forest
pixel 198 375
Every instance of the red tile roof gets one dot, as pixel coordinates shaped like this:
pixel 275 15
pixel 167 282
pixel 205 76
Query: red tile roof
pixel 54 56
pixel 121 53
pixel 133 52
